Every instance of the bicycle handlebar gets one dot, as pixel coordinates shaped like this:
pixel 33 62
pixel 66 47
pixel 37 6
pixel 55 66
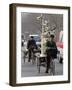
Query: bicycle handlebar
pixel 50 48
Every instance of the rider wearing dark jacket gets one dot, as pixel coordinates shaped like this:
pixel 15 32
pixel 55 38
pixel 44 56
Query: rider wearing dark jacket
pixel 31 45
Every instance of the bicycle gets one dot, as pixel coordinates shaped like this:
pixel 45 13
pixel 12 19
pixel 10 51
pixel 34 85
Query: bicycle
pixel 33 56
pixel 42 61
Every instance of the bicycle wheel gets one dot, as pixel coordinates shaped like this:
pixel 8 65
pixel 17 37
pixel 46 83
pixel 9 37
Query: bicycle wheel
pixel 24 57
pixel 32 57
pixel 53 67
pixel 38 65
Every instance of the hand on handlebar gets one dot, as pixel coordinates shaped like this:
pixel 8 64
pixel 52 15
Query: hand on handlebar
pixel 51 48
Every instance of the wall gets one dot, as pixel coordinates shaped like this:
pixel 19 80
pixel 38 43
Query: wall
pixel 4 44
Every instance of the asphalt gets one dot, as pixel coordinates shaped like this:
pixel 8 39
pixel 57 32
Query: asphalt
pixel 28 69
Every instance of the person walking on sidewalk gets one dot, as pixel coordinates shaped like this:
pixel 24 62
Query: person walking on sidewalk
pixel 51 51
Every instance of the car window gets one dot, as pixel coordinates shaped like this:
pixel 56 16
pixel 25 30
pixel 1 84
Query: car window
pixel 37 38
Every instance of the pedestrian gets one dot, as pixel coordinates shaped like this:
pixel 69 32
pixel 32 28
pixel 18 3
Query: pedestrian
pixel 51 51
pixel 31 45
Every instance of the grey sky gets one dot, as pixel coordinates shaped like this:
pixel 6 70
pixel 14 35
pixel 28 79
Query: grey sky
pixel 31 25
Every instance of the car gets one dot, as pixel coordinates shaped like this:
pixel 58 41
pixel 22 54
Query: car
pixel 60 47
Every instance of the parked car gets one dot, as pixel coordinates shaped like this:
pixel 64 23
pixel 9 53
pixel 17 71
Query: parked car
pixel 60 47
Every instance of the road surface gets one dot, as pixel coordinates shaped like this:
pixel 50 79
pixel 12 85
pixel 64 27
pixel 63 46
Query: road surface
pixel 29 70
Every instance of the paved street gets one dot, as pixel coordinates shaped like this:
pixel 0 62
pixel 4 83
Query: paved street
pixel 28 69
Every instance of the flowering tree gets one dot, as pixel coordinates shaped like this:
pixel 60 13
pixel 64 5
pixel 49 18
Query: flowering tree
pixel 45 32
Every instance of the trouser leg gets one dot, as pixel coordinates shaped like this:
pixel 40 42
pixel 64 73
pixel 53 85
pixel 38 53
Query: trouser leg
pixel 48 64
pixel 29 55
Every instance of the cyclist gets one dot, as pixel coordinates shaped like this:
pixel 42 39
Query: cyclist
pixel 31 45
pixel 51 51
